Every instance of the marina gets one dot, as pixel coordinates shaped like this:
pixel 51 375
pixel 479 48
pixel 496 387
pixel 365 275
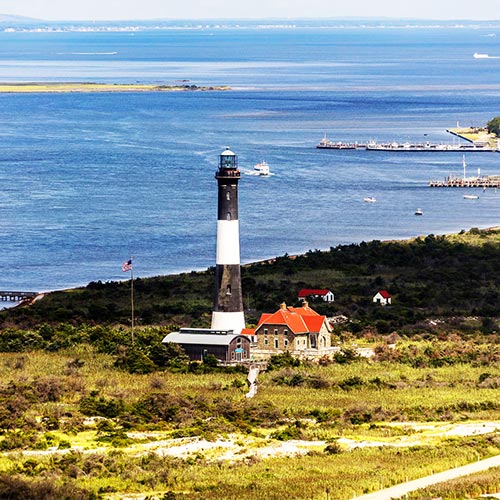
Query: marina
pixel 471 182
pixel 488 181
pixel 428 147
pixel 476 140
pixel 408 147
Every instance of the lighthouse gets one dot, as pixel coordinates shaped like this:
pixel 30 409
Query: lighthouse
pixel 228 300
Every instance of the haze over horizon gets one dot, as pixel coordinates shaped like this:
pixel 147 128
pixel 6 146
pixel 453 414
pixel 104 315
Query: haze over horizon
pixel 113 10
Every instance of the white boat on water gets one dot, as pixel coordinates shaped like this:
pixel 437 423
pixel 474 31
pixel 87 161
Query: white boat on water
pixel 471 196
pixel 480 56
pixel 370 199
pixel 261 169
pixel 419 211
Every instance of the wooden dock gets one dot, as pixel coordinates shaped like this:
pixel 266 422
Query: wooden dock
pixel 471 182
pixel 16 296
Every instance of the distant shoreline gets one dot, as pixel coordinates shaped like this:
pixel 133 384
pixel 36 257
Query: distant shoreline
pixel 89 87
pixel 269 260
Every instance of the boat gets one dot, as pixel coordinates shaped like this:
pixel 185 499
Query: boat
pixel 419 211
pixel 471 196
pixel 370 199
pixel 480 56
pixel 261 169
pixel 328 144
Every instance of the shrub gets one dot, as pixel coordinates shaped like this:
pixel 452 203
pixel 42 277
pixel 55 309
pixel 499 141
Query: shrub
pixel 292 431
pixel 493 126
pixel 282 361
pixel 95 405
pixel 333 448
pixel 15 488
pixel 346 355
pixel 134 361
pixel 351 382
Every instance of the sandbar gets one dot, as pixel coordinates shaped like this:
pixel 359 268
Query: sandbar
pixel 67 87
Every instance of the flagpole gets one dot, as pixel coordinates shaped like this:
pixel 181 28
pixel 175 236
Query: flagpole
pixel 132 297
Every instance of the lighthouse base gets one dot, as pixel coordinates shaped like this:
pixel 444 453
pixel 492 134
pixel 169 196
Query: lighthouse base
pixel 228 321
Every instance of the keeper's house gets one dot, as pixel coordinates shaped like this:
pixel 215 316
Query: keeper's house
pixel 223 344
pixel 299 330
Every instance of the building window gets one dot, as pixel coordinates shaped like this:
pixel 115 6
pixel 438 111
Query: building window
pixel 228 196
pixel 275 331
pixel 229 216
pixel 265 331
pixel 266 341
pixel 276 343
pixel 285 343
pixel 228 290
pixel 285 333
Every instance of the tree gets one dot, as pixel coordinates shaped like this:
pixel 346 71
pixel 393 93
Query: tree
pixel 493 126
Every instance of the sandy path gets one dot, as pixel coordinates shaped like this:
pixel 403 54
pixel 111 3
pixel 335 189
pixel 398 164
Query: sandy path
pixel 401 489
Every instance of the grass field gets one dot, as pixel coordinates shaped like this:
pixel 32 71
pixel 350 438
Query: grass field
pixel 346 429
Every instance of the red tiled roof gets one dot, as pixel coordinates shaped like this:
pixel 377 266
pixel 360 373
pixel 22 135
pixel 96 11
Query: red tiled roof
pixel 304 311
pixel 314 323
pixel 306 292
pixel 248 331
pixel 297 319
pixel 385 294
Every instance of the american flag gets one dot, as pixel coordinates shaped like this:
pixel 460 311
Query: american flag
pixel 127 266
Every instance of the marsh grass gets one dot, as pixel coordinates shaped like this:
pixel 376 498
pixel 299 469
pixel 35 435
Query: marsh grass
pixel 471 486
pixel 357 401
pixel 305 477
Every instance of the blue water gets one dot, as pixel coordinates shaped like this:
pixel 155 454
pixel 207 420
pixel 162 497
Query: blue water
pixel 86 180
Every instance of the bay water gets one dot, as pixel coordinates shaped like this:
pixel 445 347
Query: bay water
pixel 89 179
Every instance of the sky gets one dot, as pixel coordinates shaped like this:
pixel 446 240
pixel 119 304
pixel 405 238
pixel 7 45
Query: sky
pixel 250 9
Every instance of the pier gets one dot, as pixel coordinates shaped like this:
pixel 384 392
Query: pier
pixel 471 182
pixel 16 296
pixel 408 147
pixel 477 141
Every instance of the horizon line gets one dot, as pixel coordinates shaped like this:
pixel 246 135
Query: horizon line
pixel 252 19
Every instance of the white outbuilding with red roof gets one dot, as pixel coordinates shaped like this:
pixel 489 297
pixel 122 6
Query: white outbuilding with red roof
pixel 383 297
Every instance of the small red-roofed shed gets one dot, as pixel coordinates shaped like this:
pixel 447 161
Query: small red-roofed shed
pixel 316 293
pixel 383 297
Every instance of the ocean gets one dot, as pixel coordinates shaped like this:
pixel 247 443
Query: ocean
pixel 88 180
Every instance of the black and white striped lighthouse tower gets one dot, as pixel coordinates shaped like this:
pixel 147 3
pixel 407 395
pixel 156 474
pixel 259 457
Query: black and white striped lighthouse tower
pixel 228 299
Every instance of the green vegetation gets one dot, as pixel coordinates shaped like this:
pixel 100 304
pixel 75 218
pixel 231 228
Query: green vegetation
pixel 87 413
pixel 493 126
pixel 472 486
pixel 453 278
pixel 95 430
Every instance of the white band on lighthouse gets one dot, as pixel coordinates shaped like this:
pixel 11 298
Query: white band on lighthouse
pixel 228 242
pixel 228 321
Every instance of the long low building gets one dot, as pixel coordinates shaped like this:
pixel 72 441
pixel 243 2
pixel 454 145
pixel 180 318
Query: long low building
pixel 223 344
